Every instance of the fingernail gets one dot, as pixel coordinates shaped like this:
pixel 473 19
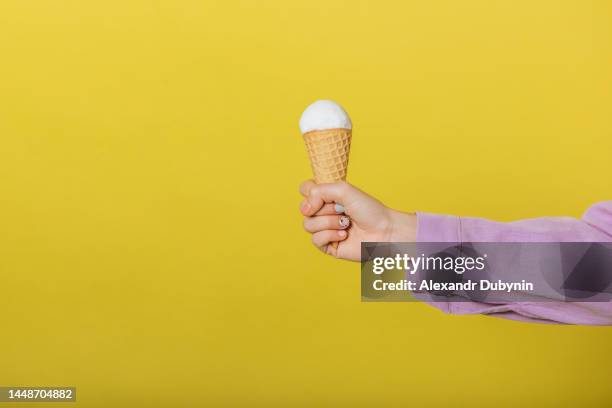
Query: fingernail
pixel 342 233
pixel 344 221
pixel 305 206
pixel 339 208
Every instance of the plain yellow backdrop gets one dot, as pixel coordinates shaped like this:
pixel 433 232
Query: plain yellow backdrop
pixel 151 248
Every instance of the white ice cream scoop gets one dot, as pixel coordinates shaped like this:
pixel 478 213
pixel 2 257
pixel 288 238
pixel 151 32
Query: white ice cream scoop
pixel 324 114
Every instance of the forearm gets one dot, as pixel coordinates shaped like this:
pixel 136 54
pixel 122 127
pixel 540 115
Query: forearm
pixel 596 226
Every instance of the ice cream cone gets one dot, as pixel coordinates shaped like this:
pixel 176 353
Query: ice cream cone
pixel 326 128
pixel 328 151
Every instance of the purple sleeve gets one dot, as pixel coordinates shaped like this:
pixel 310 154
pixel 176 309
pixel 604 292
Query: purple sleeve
pixel 595 226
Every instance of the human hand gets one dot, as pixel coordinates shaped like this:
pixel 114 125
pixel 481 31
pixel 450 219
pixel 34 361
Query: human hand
pixel 370 220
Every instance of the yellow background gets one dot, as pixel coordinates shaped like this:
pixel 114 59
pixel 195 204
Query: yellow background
pixel 151 249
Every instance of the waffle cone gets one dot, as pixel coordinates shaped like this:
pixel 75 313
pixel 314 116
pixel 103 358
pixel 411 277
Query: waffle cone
pixel 328 151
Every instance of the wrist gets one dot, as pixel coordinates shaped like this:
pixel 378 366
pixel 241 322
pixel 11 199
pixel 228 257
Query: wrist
pixel 404 226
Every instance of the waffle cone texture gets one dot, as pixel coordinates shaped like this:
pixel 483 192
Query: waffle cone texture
pixel 328 151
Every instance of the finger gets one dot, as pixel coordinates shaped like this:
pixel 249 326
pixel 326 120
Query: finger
pixel 330 209
pixel 320 194
pixel 323 238
pixel 327 209
pixel 305 187
pixel 326 222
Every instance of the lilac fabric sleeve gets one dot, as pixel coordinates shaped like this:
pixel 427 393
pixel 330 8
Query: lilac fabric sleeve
pixel 595 226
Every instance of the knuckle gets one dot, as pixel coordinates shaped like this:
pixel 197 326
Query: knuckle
pixel 306 224
pixel 304 186
pixel 315 241
pixel 343 187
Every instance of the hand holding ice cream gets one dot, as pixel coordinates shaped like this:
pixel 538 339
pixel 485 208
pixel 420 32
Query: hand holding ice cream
pixel 327 132
pixel 371 220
